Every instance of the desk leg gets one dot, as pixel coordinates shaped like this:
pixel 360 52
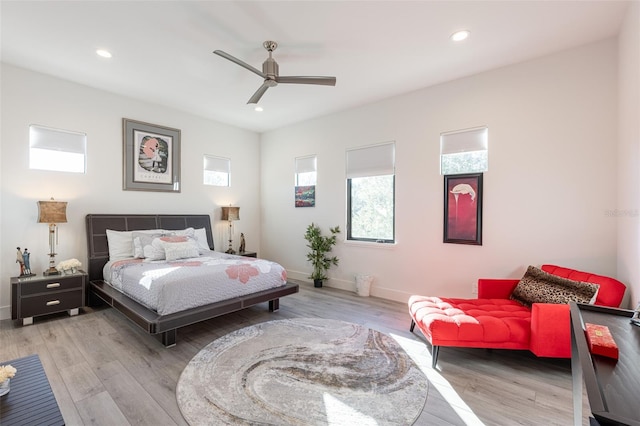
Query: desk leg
pixel 576 375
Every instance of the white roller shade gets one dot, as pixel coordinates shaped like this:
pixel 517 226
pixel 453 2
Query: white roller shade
pixel 41 137
pixel 306 164
pixel 374 160
pixel 217 164
pixel 468 140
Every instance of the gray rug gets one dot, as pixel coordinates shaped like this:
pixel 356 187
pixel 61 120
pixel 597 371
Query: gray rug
pixel 302 372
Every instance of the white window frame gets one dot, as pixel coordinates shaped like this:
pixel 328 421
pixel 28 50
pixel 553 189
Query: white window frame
pixel 464 151
pixel 306 170
pixel 216 171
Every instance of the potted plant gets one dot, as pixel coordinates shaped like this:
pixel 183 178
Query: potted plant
pixel 320 246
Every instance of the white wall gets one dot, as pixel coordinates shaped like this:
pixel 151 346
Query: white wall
pixel 552 173
pixel 629 153
pixel 33 98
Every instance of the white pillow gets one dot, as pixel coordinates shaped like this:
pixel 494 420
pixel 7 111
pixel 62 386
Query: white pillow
pixel 120 246
pixel 200 236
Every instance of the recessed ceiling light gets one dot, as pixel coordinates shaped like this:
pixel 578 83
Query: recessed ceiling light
pixel 103 53
pixel 460 35
pixel 258 108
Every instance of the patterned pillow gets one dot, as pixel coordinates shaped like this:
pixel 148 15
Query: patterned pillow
pixel 538 286
pixel 143 248
pixel 177 247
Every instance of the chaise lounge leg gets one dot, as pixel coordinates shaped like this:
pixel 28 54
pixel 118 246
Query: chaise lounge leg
pixel 413 325
pixel 434 356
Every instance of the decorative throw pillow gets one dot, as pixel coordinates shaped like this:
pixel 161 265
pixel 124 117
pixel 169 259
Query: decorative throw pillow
pixel 538 286
pixel 143 246
pixel 200 236
pixel 177 247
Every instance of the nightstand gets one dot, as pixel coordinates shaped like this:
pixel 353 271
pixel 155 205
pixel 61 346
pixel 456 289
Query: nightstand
pixel 41 295
pixel 248 254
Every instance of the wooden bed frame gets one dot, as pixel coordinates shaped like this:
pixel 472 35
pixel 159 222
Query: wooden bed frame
pixel 163 325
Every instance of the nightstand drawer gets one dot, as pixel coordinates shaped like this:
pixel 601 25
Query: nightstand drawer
pixel 49 303
pixel 53 284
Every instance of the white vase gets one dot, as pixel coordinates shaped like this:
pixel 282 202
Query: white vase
pixel 5 387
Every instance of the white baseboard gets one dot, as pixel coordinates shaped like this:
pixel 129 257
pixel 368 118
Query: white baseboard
pixel 5 312
pixel 376 291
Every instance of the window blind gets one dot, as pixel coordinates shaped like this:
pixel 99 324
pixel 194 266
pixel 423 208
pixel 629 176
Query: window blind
pixel 373 160
pixel 217 164
pixel 41 137
pixel 468 140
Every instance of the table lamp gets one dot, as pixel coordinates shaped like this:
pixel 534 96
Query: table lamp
pixel 52 212
pixel 230 214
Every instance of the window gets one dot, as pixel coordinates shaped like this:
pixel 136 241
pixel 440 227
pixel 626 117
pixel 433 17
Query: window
pixel 371 193
pixel 464 151
pixel 57 150
pixel 217 171
pixel 306 174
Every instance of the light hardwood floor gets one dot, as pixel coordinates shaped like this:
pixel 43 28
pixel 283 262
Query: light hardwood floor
pixel 105 371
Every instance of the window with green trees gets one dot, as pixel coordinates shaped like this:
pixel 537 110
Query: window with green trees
pixel 371 193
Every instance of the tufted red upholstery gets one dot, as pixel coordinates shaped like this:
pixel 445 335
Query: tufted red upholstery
pixel 495 321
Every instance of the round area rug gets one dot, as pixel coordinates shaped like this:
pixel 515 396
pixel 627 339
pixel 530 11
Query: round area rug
pixel 302 372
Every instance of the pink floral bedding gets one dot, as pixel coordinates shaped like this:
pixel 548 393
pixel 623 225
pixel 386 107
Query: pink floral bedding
pixel 169 287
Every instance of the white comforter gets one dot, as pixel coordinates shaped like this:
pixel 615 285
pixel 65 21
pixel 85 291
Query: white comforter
pixel 168 287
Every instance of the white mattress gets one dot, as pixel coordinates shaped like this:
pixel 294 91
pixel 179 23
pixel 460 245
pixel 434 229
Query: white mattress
pixel 169 287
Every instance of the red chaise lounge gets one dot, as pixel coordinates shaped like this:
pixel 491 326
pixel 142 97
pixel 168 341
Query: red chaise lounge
pixel 495 321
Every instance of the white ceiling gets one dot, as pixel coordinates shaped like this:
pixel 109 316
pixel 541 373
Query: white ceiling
pixel 162 50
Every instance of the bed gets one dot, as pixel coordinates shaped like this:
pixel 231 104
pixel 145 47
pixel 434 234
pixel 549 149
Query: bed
pixel 162 325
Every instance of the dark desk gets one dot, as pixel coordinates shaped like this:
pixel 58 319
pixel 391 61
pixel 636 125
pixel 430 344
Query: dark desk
pixel 613 387
pixel 30 400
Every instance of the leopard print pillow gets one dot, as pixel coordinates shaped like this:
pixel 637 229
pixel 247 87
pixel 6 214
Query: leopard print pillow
pixel 538 286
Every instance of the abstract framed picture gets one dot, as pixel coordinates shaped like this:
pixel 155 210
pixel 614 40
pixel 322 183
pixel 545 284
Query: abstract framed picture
pixel 306 196
pixel 151 160
pixel 463 209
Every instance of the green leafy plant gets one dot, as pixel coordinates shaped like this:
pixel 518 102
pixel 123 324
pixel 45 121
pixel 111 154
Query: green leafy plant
pixel 320 246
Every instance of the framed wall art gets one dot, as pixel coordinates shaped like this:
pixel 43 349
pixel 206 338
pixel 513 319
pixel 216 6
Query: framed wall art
pixel 151 160
pixel 306 196
pixel 463 209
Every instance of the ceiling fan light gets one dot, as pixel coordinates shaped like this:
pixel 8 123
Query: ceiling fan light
pixel 258 108
pixel 460 35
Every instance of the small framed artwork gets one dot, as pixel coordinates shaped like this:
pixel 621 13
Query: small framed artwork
pixel 306 196
pixel 151 160
pixel 463 209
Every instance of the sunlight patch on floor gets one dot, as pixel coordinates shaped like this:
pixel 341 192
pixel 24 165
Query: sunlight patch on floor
pixel 418 353
pixel 338 413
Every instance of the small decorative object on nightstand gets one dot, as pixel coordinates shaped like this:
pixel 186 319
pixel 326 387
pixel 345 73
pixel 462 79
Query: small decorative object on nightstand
pixel 41 295
pixel 242 243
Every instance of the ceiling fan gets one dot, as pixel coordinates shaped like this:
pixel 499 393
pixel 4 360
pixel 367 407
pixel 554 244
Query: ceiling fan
pixel 270 73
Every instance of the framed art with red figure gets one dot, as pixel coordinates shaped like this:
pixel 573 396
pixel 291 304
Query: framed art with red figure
pixel 463 209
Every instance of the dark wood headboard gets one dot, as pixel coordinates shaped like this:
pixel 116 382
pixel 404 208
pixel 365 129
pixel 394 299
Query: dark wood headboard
pixel 97 225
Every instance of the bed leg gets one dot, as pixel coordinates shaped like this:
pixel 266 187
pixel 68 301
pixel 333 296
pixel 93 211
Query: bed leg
pixel 168 338
pixel 274 305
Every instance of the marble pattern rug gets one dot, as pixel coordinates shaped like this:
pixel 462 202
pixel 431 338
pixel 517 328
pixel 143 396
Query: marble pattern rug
pixel 302 372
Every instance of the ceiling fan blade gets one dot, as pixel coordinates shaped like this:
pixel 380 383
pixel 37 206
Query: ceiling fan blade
pixel 240 62
pixel 324 81
pixel 256 96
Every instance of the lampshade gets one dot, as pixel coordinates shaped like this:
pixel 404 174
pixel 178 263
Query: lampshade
pixel 52 211
pixel 231 213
